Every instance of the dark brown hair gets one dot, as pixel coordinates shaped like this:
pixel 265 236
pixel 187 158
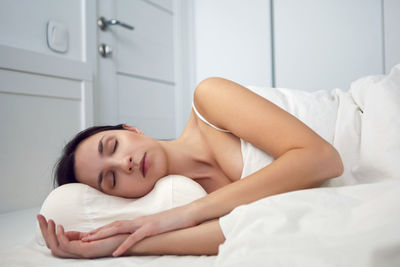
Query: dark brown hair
pixel 64 169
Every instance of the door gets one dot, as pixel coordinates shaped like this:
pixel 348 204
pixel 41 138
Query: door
pixel 135 75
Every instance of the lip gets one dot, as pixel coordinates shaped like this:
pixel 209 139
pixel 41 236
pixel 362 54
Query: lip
pixel 144 165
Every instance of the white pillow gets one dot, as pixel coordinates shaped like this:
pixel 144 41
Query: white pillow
pixel 80 207
pixel 379 99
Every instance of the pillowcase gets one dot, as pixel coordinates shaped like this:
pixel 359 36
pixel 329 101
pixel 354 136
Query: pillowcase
pixel 80 207
pixel 379 99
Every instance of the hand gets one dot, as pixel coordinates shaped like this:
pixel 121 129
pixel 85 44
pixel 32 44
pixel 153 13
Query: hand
pixel 69 244
pixel 142 227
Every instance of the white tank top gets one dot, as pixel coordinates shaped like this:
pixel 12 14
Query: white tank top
pixel 253 158
pixel 318 110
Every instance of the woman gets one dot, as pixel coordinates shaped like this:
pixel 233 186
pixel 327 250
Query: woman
pixel 127 163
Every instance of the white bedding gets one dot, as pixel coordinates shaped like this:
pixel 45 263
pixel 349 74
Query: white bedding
pixel 18 247
pixel 355 225
pixel 32 254
pixel 353 221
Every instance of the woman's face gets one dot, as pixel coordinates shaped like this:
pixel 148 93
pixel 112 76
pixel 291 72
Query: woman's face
pixel 123 163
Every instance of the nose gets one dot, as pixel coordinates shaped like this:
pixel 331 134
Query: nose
pixel 127 164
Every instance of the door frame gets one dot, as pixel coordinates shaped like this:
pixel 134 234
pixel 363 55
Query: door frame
pixel 104 98
pixel 184 63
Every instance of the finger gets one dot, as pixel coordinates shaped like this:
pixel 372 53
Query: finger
pixel 64 242
pixel 85 235
pixel 51 234
pixel 74 235
pixel 120 228
pixel 105 232
pixel 100 228
pixel 43 228
pixel 54 244
pixel 129 242
pixel 95 230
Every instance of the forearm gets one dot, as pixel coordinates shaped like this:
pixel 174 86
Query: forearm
pixel 202 239
pixel 297 169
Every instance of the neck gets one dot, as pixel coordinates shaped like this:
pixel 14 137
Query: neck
pixel 186 157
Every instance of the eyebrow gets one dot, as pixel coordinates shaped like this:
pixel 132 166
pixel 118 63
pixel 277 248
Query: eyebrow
pixel 100 149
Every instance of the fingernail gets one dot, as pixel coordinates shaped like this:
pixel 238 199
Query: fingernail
pixel 85 239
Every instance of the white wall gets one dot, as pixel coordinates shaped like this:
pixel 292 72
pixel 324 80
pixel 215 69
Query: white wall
pixel 326 44
pixel 45 97
pixel 232 40
pixel 391 13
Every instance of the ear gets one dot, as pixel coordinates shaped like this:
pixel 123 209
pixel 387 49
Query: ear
pixel 131 128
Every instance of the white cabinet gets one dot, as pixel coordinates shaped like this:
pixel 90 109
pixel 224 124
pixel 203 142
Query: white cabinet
pixel 45 97
pixel 303 44
pixel 44 101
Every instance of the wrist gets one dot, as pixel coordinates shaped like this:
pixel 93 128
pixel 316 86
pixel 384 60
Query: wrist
pixel 197 211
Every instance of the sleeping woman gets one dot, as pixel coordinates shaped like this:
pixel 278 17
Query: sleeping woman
pixel 122 161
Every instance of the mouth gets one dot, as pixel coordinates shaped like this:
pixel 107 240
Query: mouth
pixel 143 165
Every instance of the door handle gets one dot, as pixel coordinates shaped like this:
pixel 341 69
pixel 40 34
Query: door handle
pixel 103 23
pixel 104 50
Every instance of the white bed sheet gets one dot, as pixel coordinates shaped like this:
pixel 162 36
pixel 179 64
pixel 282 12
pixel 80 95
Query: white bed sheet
pixel 19 248
pixel 356 225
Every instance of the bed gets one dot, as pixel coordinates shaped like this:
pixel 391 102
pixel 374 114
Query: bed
pixel 20 248
pixel 352 220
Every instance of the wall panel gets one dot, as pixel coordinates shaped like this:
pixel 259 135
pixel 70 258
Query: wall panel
pixel 35 124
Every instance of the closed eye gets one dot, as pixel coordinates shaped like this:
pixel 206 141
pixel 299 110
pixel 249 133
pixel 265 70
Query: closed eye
pixel 115 145
pixel 114 179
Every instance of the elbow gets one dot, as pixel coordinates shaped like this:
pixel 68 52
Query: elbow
pixel 330 162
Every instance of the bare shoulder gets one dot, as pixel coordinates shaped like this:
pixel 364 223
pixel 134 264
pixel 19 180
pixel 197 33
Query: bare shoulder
pixel 233 107
pixel 214 95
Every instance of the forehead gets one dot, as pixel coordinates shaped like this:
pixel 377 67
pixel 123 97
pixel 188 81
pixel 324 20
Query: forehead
pixel 88 160
pixel 91 143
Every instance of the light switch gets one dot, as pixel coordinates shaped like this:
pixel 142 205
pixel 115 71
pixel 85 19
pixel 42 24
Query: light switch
pixel 57 37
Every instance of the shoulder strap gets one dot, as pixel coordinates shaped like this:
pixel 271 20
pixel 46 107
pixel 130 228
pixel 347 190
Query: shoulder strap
pixel 204 120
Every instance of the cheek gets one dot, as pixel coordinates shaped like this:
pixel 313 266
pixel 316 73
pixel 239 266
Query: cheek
pixel 133 188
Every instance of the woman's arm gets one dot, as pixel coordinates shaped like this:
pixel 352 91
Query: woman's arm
pixel 302 158
pixel 202 239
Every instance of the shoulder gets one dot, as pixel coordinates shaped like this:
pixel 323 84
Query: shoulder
pixel 216 97
pixel 223 102
pixel 215 88
pixel 247 115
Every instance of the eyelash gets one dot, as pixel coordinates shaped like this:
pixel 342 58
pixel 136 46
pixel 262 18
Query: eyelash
pixel 115 148
pixel 115 145
pixel 113 179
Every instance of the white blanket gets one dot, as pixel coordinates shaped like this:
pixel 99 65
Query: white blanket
pixel 356 223
pixel 353 221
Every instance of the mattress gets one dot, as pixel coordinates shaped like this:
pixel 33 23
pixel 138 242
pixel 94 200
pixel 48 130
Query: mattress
pixel 19 248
